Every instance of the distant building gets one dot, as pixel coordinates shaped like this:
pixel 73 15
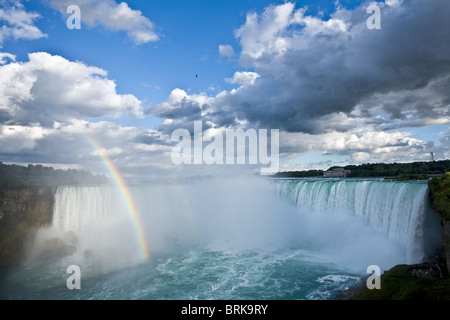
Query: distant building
pixel 336 173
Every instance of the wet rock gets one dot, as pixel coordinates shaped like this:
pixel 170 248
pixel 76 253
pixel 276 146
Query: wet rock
pixel 23 210
pixel 56 248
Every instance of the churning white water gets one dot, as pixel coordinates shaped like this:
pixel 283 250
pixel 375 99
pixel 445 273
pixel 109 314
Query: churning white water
pixel 246 238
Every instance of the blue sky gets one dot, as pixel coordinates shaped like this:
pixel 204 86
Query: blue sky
pixel 190 31
pixel 338 92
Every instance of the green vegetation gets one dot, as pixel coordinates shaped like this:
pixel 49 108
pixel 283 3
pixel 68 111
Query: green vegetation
pixel 409 177
pixel 300 174
pixel 440 202
pixel 440 195
pixel 399 284
pixel 395 171
pixel 399 169
pixel 38 175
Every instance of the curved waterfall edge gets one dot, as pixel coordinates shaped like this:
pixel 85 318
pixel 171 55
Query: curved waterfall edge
pixel 399 210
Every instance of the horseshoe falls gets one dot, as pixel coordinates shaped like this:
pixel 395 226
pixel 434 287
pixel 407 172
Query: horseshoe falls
pixel 398 210
pixel 225 239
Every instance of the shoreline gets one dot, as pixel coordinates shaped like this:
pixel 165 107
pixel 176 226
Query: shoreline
pixel 405 282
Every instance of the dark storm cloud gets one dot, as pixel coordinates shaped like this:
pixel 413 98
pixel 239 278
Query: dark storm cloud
pixel 151 138
pixel 311 70
pixel 183 109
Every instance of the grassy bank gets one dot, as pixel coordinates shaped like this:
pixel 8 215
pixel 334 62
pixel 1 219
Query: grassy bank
pixel 399 284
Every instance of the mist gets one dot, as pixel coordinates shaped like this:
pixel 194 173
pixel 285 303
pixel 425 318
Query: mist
pixel 94 229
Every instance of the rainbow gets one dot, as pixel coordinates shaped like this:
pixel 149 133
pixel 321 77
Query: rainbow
pixel 124 190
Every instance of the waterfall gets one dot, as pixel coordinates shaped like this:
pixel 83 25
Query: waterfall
pixel 354 222
pixel 91 227
pixel 78 207
pixel 399 210
pixel 232 238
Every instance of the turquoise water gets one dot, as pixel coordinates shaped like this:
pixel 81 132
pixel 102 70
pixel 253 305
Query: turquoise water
pixel 223 240
pixel 198 274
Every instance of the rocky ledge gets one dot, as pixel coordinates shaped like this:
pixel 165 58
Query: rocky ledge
pixel 425 281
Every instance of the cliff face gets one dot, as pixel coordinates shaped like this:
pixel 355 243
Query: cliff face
pixel 23 210
pixel 440 202
pixel 446 226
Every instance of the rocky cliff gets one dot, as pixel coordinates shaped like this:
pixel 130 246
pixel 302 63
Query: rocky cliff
pixel 446 227
pixel 23 210
pixel 440 202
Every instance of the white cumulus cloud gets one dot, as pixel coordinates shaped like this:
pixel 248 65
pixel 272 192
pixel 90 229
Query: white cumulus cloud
pixel 243 78
pixel 50 88
pixel 17 23
pixel 112 16
pixel 226 50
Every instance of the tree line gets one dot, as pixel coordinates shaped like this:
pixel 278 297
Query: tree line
pixel 400 171
pixel 440 196
pixel 38 175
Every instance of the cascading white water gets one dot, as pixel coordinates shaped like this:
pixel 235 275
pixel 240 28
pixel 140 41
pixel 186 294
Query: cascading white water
pixel 78 207
pixel 227 239
pixel 343 218
pixel 91 226
pixel 396 209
